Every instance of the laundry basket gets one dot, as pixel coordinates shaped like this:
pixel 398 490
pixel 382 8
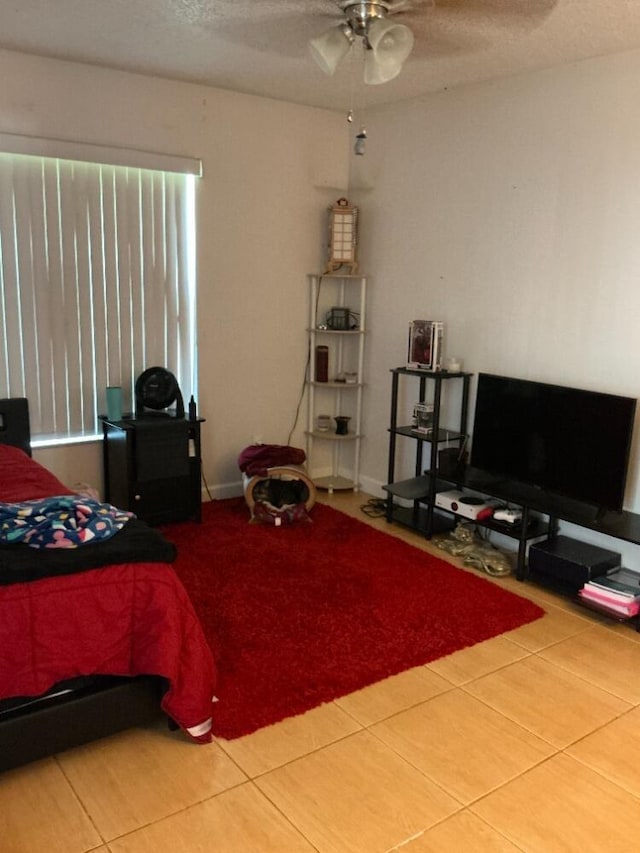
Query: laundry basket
pixel 276 493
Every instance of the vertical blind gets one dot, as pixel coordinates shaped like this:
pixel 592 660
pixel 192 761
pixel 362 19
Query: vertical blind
pixel 97 269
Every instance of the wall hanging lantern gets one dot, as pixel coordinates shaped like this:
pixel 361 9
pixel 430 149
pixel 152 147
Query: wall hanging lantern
pixel 343 221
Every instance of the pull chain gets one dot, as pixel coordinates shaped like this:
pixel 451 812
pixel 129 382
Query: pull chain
pixel 352 80
pixel 361 136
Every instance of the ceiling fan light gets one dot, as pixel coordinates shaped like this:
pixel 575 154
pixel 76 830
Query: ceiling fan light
pixel 376 72
pixel 331 47
pixel 389 41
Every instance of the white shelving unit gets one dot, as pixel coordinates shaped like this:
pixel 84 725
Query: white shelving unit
pixel 334 459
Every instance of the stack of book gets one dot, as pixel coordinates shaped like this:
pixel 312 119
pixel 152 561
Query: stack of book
pixel 618 592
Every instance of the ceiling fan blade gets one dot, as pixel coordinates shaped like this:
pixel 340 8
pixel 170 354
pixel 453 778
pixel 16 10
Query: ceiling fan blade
pixel 466 26
pixel 439 44
pixel 282 26
pixel 244 10
pixel 523 14
pixel 396 6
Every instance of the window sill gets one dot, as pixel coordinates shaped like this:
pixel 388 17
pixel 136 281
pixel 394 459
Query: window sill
pixel 41 441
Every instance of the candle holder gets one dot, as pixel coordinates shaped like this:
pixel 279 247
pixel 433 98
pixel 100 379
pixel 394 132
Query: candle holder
pixel 342 425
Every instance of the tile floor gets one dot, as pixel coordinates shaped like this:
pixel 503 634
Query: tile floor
pixel 529 741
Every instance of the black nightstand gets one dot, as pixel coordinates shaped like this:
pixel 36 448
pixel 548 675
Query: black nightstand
pixel 152 467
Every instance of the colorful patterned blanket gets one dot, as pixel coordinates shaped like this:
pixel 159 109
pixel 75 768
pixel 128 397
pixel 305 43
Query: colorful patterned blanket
pixel 64 521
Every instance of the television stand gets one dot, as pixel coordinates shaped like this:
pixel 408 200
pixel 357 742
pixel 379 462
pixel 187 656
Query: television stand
pixel 624 526
pixel 411 502
pixel 601 515
pixel 541 512
pixel 535 523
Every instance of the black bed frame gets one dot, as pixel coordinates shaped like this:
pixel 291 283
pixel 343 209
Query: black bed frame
pixel 72 713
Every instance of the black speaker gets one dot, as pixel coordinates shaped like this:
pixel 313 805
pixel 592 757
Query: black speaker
pixel 570 561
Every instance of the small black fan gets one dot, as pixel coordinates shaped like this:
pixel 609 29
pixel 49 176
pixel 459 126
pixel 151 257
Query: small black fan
pixel 157 390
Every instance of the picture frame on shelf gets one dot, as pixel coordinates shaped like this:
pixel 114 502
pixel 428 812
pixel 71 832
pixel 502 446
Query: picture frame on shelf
pixel 424 350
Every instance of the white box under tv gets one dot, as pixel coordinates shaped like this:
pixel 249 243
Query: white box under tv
pixel 468 506
pixel 448 500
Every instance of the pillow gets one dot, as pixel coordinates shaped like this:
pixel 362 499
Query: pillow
pixel 24 479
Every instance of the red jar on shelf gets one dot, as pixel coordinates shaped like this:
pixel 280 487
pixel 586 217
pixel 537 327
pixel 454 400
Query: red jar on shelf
pixel 322 364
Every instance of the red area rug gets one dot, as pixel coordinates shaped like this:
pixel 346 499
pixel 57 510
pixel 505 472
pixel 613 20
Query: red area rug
pixel 303 614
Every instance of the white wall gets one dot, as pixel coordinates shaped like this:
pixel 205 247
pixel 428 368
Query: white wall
pixel 270 170
pixel 509 210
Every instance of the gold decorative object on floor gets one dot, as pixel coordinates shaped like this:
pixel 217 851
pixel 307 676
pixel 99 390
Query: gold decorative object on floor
pixel 464 542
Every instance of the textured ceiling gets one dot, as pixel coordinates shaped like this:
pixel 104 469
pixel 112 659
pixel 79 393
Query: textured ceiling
pixel 260 47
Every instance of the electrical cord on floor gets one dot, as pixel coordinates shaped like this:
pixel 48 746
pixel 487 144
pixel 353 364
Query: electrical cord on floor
pixel 300 399
pixel 206 485
pixel 375 507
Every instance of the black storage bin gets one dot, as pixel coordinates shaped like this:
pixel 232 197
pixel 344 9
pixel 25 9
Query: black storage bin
pixel 570 561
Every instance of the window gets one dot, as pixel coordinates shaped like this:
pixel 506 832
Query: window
pixel 97 281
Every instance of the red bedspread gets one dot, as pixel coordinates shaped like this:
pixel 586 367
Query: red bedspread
pixel 127 619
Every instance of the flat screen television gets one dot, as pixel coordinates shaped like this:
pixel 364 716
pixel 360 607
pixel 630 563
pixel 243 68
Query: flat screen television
pixel 566 441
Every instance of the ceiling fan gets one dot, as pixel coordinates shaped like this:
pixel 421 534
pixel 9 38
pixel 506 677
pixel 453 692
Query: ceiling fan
pixel 388 41
pixel 436 28
pixel 386 44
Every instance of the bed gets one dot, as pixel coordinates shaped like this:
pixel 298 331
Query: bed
pixel 93 639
